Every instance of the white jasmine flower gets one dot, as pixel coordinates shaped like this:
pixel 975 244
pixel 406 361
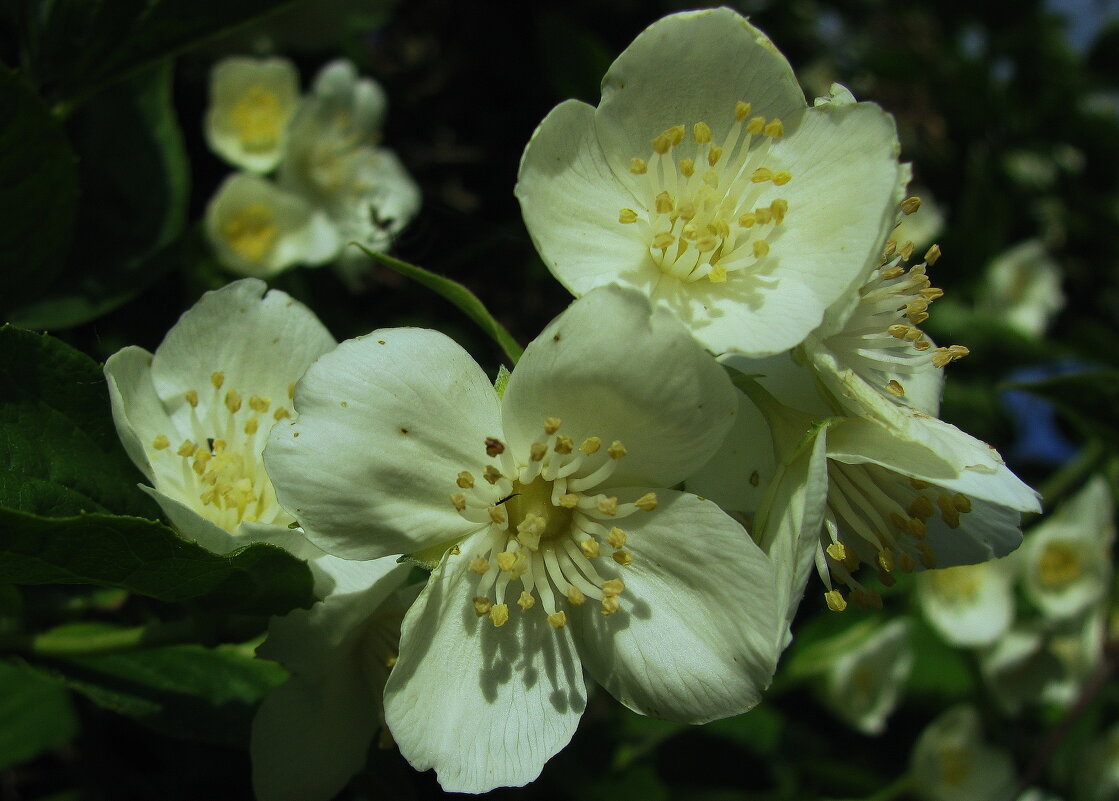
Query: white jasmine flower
pixel 195 415
pixel 1018 667
pixel 555 544
pixel 258 229
pixel 970 606
pixel 1022 287
pixel 312 734
pixel 863 683
pixel 251 103
pixel 704 180
pixel 1068 556
pixel 951 761
pixel 332 159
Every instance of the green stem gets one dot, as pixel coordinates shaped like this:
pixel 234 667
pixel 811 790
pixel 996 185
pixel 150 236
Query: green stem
pixel 68 641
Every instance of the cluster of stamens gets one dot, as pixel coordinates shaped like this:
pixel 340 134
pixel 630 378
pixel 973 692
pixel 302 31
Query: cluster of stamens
pixel 543 527
pixel 879 517
pixel 221 466
pixel 251 231
pixel 258 118
pixel 883 339
pixel 711 212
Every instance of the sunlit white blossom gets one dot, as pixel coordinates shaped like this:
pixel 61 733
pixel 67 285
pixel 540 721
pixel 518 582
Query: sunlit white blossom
pixel 951 761
pixel 969 605
pixel 555 543
pixel 863 683
pixel 1022 287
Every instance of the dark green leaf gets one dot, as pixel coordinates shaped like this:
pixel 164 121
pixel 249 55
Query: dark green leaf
pixel 939 670
pixel 150 559
pixel 38 191
pixel 135 185
pixel 79 46
pixel 186 691
pixel 58 447
pixel 467 302
pixel 35 715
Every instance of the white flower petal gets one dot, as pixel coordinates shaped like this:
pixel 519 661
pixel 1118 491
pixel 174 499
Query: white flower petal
pixel 970 605
pixel 251 102
pixel 138 413
pixel 737 475
pixel 609 368
pixel 697 637
pixel 988 531
pixel 485 706
pixel 193 526
pixel 385 423
pixel 571 199
pixel 864 683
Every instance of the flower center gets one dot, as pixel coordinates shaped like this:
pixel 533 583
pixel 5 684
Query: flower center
pixel 714 211
pixel 543 527
pixel 1058 565
pixel 251 231
pixel 878 517
pixel 220 459
pixel 258 118
pixel 959 584
pixel 882 338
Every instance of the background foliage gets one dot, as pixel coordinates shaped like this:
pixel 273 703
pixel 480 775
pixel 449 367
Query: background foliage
pixel 127 671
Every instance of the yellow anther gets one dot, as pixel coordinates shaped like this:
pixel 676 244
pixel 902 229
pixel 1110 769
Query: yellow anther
pixel 782 177
pixel 482 605
pixel 610 605
pixel 917 528
pixel 526 601
pixel 233 401
pixel 748 220
pixel 662 144
pixel 948 511
pixel 895 388
pixel 191 398
pixel 491 474
pixel 663 203
pixel 689 232
pixel 837 552
pixel 918 484
pixel 575 596
pixel 280 414
pixel 898 330
pixel 564 444
pixel 764 215
pixel 647 502
pixel 718 274
pixel 616 538
pixel 499 614
pixel 638 166
pixel 616 450
pixel 558 619
pixel 741 110
pixel 675 134
pixel 707 243
pixel 761 248
pixel 906 562
pixel 921 508
pixel 893 272
pixel 756 125
pixel 537 451
pixel 497 515
pixel 623 558
pixel 186 449
pixel 458 500
pixel 479 565
pixel 836 601
pixel 910 205
pixel 663 240
pixel 868 599
pixel 961 502
pixel 590 446
pixel 906 251
pixel 761 175
pixel 607 506
pixel 590 548
pixel 506 560
pixel 532 526
pixel 259 404
pixel 612 587
pixel 687 167
pixel 251 426
pixel 779 208
pixel 161 442
pixel 886 560
pixel 932 255
pixel 926 555
pixel 494 446
pixel 291 390
pixel 465 480
pixel 551 425
pixel 569 500
pixel 714 154
pixel 701 131
pixel 774 129
pixel 627 216
pixel 217 378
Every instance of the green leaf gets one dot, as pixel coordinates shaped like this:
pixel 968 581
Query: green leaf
pixel 38 191
pixel 58 446
pixel 1087 399
pixel 79 46
pixel 148 558
pixel 135 182
pixel 35 715
pixel 186 691
pixel 759 731
pixel 467 302
pixel 940 671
